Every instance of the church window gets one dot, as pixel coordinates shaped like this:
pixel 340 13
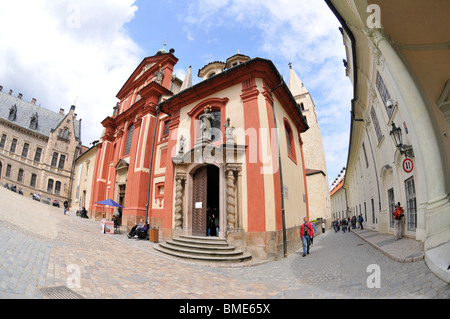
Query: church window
pixel 166 128
pixel 290 141
pixel 215 132
pixel 129 139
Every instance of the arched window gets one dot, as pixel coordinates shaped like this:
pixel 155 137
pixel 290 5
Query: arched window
pixel 129 139
pixel 290 140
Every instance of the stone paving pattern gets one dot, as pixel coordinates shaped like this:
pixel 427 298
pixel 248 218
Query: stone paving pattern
pixel 39 246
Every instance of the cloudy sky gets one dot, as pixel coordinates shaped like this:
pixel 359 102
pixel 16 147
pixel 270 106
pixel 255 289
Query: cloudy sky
pixel 81 52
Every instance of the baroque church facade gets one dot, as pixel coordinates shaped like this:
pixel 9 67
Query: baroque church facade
pixel 172 151
pixel 37 147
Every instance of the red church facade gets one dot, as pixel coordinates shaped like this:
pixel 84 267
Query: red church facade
pixel 228 142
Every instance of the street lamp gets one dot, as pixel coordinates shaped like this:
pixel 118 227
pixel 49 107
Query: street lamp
pixel 396 134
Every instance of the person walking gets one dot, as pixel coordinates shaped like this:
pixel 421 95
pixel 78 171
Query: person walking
pixel 323 227
pixel 361 220
pixel 66 206
pixel 306 232
pixel 398 215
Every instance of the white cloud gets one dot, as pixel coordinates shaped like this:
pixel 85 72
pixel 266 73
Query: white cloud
pixel 62 51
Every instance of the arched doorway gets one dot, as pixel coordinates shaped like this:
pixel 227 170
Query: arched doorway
pixel 205 194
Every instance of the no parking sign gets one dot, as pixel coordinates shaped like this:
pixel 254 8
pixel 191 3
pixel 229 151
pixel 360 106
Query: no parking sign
pixel 408 165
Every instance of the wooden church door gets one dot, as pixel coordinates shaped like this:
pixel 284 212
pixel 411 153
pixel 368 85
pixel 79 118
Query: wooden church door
pixel 199 202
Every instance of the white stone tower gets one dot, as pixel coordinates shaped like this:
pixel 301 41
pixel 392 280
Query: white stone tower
pixel 316 168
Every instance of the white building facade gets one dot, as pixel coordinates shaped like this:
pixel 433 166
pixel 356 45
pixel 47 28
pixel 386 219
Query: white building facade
pixel 399 67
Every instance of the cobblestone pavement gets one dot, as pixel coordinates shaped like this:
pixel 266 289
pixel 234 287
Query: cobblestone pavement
pixel 40 248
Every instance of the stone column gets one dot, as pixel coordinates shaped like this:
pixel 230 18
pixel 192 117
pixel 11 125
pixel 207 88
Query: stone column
pixel 179 192
pixel 230 171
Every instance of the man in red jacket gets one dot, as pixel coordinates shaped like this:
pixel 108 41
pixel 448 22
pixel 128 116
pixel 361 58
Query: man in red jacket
pixel 398 214
pixel 306 233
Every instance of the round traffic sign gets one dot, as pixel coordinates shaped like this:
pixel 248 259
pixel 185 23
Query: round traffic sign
pixel 408 165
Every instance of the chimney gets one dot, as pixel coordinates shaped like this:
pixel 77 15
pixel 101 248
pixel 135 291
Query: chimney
pixel 33 101
pixel 19 96
pixel 10 92
pixel 72 107
pixel 61 111
pixel 74 116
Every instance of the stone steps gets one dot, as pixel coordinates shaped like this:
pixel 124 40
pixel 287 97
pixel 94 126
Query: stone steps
pixel 210 249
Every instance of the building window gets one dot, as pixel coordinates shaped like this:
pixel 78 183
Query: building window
pixel 290 140
pixel 62 161
pixel 54 159
pixel 129 139
pixel 20 176
pixel 384 93
pixel 26 146
pixel 50 186
pixel 33 180
pixel 8 170
pixel 57 188
pixel 13 145
pixel 373 211
pixel 376 125
pixel 3 141
pixel 166 128
pixel 37 155
pixel 411 207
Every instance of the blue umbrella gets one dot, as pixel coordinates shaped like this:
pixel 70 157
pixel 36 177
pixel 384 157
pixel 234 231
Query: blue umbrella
pixel 109 202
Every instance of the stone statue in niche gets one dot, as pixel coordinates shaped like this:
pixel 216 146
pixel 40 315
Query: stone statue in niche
pixel 206 122
pixel 181 145
pixel 12 113
pixel 158 77
pixel 229 138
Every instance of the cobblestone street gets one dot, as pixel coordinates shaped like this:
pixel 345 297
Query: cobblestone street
pixel 41 248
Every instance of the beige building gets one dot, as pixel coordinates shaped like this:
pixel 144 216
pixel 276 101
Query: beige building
pixel 37 147
pixel 338 198
pixel 318 195
pixel 398 62
pixel 82 179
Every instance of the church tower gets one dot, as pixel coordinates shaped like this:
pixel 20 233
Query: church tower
pixel 315 163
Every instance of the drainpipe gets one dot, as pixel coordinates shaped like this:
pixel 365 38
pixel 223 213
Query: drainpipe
pixel 281 172
pixel 151 164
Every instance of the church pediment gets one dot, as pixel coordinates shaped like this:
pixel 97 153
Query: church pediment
pixel 121 164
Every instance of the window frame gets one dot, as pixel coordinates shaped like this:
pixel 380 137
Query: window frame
pixel 290 142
